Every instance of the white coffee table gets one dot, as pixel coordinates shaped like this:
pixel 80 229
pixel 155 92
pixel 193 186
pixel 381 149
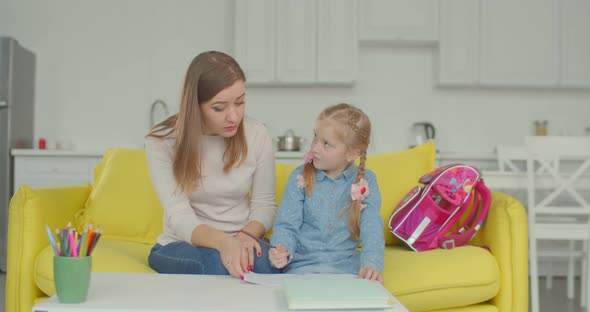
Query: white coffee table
pixel 134 292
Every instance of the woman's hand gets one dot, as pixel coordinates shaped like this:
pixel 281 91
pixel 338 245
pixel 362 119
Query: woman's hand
pixel 248 246
pixel 278 256
pixel 230 250
pixel 370 273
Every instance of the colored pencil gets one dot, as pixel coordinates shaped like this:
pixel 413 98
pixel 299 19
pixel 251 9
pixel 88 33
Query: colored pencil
pixel 61 242
pixel 52 240
pixel 95 241
pixel 83 239
pixel 72 244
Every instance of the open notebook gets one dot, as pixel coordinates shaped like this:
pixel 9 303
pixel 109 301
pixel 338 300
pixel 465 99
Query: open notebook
pixel 330 293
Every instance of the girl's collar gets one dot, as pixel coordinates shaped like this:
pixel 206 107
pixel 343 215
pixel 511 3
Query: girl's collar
pixel 348 173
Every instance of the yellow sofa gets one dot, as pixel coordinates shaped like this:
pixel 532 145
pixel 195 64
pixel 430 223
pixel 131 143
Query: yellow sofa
pixel 122 201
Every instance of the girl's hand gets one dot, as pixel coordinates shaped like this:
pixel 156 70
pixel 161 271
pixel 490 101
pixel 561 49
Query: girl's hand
pixel 248 246
pixel 230 251
pixel 278 256
pixel 370 273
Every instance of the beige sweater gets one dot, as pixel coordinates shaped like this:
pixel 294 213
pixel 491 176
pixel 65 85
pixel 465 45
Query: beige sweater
pixel 222 200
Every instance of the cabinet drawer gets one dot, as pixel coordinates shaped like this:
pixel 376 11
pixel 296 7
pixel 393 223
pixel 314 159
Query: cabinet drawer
pixel 61 165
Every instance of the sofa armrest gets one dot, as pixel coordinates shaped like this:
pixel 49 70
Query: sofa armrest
pixel 505 232
pixel 30 210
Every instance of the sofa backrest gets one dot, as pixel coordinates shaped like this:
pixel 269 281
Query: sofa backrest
pixel 124 203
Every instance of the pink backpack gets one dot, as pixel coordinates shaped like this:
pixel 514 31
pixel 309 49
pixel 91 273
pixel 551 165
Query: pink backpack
pixel 429 215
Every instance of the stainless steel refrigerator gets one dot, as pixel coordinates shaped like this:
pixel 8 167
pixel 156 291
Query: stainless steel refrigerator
pixel 17 99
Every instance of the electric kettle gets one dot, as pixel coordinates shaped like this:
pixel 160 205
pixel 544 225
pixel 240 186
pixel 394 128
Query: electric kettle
pixel 423 131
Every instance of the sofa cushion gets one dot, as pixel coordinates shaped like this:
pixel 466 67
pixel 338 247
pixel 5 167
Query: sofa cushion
pixel 440 278
pixel 397 173
pixel 283 171
pixel 123 200
pixel 109 256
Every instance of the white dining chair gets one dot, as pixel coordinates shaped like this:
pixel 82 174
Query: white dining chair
pixel 509 156
pixel 513 159
pixel 549 216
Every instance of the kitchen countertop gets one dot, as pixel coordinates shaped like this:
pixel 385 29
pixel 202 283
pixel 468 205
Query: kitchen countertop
pixel 291 155
pixel 56 152
pixel 466 156
pixel 99 153
pixel 278 154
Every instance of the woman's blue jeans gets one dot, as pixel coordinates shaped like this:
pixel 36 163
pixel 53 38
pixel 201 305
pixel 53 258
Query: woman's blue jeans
pixel 183 258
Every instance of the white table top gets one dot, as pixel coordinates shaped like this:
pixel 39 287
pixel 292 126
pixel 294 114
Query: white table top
pixel 133 292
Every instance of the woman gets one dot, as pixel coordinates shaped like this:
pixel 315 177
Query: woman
pixel 213 171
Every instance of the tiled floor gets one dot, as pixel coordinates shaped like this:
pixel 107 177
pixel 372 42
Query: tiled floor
pixel 551 300
pixel 2 291
pixel 555 300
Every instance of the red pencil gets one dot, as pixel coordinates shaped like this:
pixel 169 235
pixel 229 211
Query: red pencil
pixel 97 235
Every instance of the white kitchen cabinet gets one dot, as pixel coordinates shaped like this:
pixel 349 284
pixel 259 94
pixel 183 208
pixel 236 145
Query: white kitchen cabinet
pixel 575 43
pixel 458 54
pixel 40 169
pixel 337 41
pixel 513 44
pixel 403 21
pixel 520 43
pixel 296 42
pixel 255 39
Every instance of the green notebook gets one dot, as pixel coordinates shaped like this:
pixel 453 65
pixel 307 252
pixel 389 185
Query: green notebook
pixel 321 293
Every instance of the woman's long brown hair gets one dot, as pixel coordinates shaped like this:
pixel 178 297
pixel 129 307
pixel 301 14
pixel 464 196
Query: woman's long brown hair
pixel 208 74
pixel 356 132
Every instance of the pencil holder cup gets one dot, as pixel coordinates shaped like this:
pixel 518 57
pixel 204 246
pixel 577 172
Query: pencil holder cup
pixel 72 278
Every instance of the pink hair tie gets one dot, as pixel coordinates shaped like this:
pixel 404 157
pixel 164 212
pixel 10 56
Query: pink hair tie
pixel 360 191
pixel 308 157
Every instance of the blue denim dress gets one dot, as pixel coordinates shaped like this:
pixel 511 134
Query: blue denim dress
pixel 314 229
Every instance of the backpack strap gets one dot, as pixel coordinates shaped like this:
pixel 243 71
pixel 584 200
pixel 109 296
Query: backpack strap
pixel 452 222
pixel 473 224
pixel 473 201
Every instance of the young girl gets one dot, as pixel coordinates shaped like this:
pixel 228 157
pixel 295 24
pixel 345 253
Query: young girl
pixel 330 205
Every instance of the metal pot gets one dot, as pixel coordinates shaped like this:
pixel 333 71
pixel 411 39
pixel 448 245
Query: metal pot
pixel 289 142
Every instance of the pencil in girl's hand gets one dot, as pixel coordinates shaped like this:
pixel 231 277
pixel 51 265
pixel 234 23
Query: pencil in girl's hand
pixel 52 240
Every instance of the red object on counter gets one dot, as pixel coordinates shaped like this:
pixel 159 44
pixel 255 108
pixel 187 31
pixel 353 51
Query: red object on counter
pixel 42 143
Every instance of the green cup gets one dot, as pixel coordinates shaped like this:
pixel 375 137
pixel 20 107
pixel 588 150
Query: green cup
pixel 72 278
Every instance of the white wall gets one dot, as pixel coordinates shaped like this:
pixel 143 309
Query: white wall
pixel 396 89
pixel 102 64
pixel 3 18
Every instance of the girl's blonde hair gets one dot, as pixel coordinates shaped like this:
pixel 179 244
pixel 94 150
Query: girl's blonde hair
pixel 356 132
pixel 208 74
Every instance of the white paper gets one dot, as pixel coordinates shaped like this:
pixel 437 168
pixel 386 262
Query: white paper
pixel 277 279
